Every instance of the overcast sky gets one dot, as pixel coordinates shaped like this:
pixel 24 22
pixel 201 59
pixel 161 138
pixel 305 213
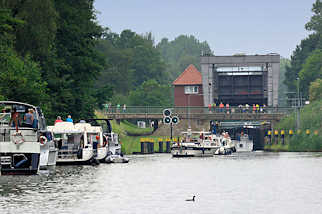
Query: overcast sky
pixel 229 26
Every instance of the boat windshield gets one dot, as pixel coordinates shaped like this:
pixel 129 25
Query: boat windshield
pixel 5 119
pixel 6 110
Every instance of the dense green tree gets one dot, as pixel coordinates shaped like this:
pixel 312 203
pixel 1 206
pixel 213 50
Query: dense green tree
pixel 151 93
pixel 305 49
pixel 131 60
pixel 312 70
pixel 76 63
pixel 22 80
pixel 315 24
pixel 7 27
pixel 36 36
pixel 298 58
pixel 316 90
pixel 181 52
pixel 20 77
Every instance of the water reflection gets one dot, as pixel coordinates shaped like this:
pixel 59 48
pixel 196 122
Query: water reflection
pixel 255 182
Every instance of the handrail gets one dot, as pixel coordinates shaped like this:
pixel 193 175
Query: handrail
pixel 195 110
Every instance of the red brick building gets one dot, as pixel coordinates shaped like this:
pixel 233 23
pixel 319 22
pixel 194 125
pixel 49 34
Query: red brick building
pixel 188 88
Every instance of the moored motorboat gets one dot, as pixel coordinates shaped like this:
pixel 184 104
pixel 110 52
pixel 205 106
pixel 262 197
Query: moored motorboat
pixel 20 141
pixel 75 145
pixel 226 145
pixel 192 144
pixel 114 149
pixel 102 131
pixel 95 137
pixel 244 143
pixel 48 152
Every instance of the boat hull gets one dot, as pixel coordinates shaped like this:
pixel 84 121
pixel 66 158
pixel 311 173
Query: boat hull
pixel 19 163
pixel 191 152
pixel 48 156
pixel 86 158
pixel 244 146
pixel 116 159
pixel 102 154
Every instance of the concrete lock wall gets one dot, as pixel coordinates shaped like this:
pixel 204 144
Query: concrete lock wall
pixel 270 69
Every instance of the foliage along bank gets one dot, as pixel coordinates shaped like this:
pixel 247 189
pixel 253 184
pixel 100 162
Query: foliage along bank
pixel 48 55
pixel 305 68
pixel 308 138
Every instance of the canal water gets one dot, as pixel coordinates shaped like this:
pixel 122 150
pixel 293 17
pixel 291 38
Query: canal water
pixel 256 182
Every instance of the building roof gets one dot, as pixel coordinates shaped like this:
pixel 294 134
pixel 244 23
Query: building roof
pixel 190 76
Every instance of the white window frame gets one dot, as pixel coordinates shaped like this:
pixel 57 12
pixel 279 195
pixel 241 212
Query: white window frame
pixel 191 89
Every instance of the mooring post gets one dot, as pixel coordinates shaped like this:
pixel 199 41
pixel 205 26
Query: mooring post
pixel 142 146
pixel 167 146
pixel 160 146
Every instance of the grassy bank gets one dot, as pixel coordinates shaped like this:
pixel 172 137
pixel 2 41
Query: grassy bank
pixel 132 144
pixel 301 140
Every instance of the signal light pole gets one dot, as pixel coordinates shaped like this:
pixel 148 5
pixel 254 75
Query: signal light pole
pixel 170 120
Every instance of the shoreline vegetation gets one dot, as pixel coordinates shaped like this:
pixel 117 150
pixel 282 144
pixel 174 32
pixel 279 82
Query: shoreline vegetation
pixel 306 139
pixel 130 136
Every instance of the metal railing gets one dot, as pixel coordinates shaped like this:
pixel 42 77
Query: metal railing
pixel 195 110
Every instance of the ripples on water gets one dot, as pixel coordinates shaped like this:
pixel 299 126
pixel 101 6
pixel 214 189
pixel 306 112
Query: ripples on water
pixel 255 182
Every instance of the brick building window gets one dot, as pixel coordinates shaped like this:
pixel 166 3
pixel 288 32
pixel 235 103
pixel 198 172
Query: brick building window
pixel 191 89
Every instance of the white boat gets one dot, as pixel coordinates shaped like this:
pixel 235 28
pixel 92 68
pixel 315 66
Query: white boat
pixel 244 144
pixel 102 147
pixel 116 159
pixel 226 145
pixel 193 144
pixel 114 149
pixel 20 145
pixel 75 145
pixel 48 152
pixel 95 137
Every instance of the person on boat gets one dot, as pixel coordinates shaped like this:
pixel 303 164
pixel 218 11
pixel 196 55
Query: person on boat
pixel 35 120
pixel 58 119
pixel 29 118
pixel 69 119
pixel 14 118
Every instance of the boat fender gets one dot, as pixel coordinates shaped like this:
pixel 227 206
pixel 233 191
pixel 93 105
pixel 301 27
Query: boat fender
pixel 18 138
pixel 42 140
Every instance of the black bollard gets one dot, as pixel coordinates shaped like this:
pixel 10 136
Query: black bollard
pixel 168 147
pixel 142 147
pixel 149 147
pixel 152 147
pixel 160 147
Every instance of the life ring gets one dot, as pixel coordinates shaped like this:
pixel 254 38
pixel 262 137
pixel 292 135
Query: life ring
pixel 18 138
pixel 42 140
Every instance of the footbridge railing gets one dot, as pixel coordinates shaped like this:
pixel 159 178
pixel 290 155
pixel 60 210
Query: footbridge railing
pixel 193 112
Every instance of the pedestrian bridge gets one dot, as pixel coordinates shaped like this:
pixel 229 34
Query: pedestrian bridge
pixel 201 113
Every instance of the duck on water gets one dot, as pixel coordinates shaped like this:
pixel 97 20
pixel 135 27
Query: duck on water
pixel 193 199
